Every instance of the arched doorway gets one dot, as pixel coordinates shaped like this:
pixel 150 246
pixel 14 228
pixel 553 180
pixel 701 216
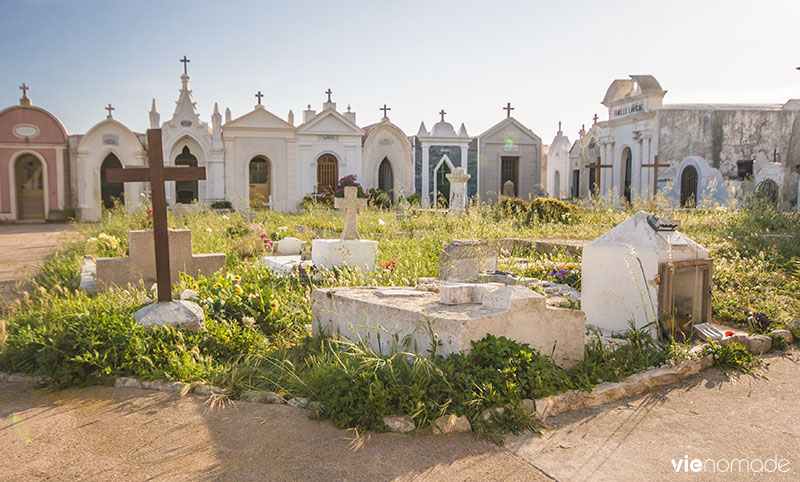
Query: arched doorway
pixel 186 191
pixel 768 192
pixel 386 177
pixel 259 183
pixel 111 191
pixel 29 177
pixel 442 185
pixel 327 173
pixel 627 173
pixel 689 187
pixel 557 185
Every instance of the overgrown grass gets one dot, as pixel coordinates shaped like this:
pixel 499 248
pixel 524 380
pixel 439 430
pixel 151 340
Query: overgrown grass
pixel 257 325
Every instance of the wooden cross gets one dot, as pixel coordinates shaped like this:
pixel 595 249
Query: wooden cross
pixel 508 110
pixel 384 109
pixel 24 88
pixel 597 166
pixel 109 109
pixel 442 113
pixel 185 61
pixel 655 165
pixel 350 204
pixel 259 95
pixel 329 92
pixel 157 175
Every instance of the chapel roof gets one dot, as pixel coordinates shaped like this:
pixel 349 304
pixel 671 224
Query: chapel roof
pixel 443 129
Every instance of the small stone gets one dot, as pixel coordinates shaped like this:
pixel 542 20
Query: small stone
pixel 204 389
pixel 127 382
pixel 262 397
pixel 20 377
pixel 181 313
pixel 399 424
pixel 298 402
pixel 528 406
pixel 783 334
pixel 607 392
pixel 451 424
pixel 758 344
pixel 289 246
pixel 188 294
pixel 163 386
pixel 542 407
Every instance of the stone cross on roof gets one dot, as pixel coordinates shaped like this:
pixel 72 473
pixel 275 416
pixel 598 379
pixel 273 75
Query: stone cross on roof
pixel 329 92
pixel 109 109
pixel 24 88
pixel 157 175
pixel 595 118
pixel 442 113
pixel 259 95
pixel 185 62
pixel 384 109
pixel 350 205
pixel 508 110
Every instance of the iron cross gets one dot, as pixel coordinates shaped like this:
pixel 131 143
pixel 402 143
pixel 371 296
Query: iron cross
pixel 185 61
pixel 156 174
pixel 329 92
pixel 24 88
pixel 259 95
pixel 597 166
pixel 109 109
pixel 595 118
pixel 655 165
pixel 442 113
pixel 384 109
pixel 508 110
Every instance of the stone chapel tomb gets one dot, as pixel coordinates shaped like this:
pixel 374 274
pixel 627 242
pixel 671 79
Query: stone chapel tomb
pixel 349 250
pixel 392 319
pixel 140 264
pixel 643 269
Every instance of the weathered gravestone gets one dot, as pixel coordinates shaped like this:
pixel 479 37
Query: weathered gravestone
pixel 508 189
pixel 458 191
pixel 466 259
pixel 349 250
pixel 166 311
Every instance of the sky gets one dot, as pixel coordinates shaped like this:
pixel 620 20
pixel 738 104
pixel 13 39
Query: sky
pixel 553 60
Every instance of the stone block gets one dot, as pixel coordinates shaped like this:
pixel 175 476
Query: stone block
pixel 607 392
pixel 465 259
pixel 290 246
pixel 337 253
pixel 759 344
pixel 451 424
pixel 88 283
pixel 399 424
pixel 458 294
pixel 783 334
pixel 390 323
pixel 127 382
pixel 259 396
pixel 180 313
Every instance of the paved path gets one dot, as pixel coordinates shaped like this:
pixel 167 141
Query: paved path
pixel 104 433
pixel 22 249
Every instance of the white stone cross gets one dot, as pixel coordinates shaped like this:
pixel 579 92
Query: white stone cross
pixel 350 205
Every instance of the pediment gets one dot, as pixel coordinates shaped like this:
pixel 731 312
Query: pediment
pixel 509 126
pixel 258 119
pixel 330 122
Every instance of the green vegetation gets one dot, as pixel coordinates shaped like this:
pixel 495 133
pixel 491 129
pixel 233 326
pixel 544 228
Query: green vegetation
pixel 257 333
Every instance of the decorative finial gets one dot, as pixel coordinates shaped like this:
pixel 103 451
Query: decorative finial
pixel 308 107
pixel 109 109
pixel 508 110
pixel 348 107
pixel 185 62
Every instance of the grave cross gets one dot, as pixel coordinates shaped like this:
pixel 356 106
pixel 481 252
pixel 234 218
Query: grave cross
pixel 442 113
pixel 259 95
pixel 185 62
pixel 508 110
pixel 109 109
pixel 384 109
pixel 157 175
pixel 597 166
pixel 329 92
pixel 655 165
pixel 24 88
pixel 350 205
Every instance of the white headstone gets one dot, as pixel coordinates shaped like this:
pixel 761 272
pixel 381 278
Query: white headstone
pixel 458 190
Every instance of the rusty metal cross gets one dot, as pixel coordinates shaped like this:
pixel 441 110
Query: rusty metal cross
pixel 156 174
pixel 24 88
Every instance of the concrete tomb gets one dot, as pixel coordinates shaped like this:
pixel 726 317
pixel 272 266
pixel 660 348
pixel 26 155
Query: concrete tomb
pixel 643 270
pixel 349 250
pixel 140 264
pixel 391 319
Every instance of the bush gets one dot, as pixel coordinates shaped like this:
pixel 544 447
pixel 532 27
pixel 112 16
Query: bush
pixel 224 204
pixel 512 207
pixel 552 210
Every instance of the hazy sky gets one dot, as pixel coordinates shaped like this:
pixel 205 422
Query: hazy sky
pixel 553 60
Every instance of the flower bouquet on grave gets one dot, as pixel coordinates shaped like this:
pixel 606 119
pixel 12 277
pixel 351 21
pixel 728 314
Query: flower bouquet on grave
pixel 679 325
